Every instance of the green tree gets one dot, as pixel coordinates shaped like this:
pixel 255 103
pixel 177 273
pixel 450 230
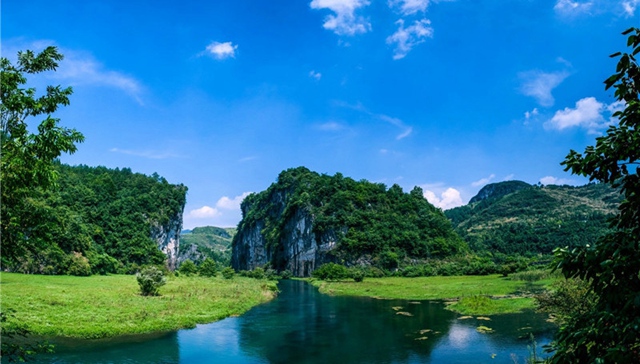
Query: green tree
pixel 610 332
pixel 27 162
pixel 208 268
pixel 188 268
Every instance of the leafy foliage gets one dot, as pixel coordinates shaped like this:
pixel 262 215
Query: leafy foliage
pixel 208 268
pixel 150 279
pixel 27 163
pixel 331 271
pixel 188 268
pixel 14 334
pixel 228 273
pixel 610 331
pixel 107 215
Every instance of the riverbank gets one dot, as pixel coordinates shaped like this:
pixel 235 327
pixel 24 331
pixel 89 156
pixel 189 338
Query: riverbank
pixel 106 306
pixel 467 295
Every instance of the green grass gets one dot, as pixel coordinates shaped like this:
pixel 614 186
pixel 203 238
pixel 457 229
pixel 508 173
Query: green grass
pixel 483 305
pixel 506 295
pixel 105 306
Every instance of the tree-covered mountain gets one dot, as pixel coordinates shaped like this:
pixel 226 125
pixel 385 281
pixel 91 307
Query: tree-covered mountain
pixel 206 242
pixel 517 218
pixel 100 220
pixel 306 219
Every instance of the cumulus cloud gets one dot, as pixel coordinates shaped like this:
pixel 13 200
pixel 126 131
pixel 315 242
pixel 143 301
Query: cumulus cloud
pixel 550 180
pixel 448 199
pixel 404 39
pixel 344 20
pixel 315 75
pixel 409 7
pixel 587 114
pixel 539 85
pixel 204 212
pixel 483 181
pixel 226 203
pixel 572 8
pixel 222 50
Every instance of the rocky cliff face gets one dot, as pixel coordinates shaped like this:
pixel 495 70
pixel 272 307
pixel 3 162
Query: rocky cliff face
pixel 167 237
pixel 299 250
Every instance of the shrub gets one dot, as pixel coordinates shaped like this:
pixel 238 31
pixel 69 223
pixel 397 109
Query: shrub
pixel 228 273
pixel 331 271
pixel 257 273
pixel 271 274
pixel 103 264
pixel 79 265
pixel 188 268
pixel 358 275
pixel 286 274
pixel 208 268
pixel 150 280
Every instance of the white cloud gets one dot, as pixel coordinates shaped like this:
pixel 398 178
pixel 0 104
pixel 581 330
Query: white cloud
pixel 330 126
pixel 630 6
pixel 587 114
pixel 344 21
pixel 483 181
pixel 509 177
pixel 204 212
pixel 572 8
pixel 405 39
pixel 448 199
pixel 530 114
pixel 550 180
pixel 407 130
pixel 226 203
pixel 539 85
pixel 409 7
pixel 78 68
pixel 150 154
pixel 222 50
pixel 315 75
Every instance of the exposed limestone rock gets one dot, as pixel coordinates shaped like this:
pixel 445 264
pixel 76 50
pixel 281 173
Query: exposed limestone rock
pixel 168 238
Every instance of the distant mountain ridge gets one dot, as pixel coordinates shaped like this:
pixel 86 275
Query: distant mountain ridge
pixel 514 217
pixel 204 242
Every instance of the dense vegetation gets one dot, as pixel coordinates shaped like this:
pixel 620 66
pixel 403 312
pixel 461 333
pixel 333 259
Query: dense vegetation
pixel 515 218
pixel 96 221
pixel 609 330
pixel 207 242
pixel 369 219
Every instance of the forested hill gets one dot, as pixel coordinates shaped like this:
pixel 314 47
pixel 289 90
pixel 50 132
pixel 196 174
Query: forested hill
pixel 516 218
pixel 99 220
pixel 206 242
pixel 306 219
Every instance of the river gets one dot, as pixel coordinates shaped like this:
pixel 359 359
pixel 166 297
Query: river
pixel 303 326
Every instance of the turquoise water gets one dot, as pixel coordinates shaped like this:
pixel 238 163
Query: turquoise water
pixel 304 326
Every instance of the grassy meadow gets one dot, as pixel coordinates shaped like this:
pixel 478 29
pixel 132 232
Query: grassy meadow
pixel 468 295
pixel 105 306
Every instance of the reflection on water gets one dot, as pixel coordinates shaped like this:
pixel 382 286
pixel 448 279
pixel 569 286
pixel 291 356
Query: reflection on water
pixel 303 326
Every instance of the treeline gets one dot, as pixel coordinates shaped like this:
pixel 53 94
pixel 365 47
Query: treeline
pixel 94 221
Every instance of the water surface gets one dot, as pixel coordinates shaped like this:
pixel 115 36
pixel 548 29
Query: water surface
pixel 304 326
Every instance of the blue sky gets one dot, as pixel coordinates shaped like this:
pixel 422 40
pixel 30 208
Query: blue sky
pixel 223 95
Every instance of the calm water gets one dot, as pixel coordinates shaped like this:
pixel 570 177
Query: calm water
pixel 304 326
